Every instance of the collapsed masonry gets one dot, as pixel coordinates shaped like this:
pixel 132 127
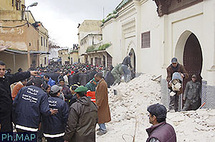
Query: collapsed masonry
pixel 130 116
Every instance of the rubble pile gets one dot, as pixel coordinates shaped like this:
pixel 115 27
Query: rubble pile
pixel 194 126
pixel 128 103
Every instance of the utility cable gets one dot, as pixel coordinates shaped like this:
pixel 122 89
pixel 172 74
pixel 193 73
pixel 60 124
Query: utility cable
pixel 14 26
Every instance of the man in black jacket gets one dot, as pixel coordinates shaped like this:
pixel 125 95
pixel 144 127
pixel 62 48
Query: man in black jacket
pixel 76 77
pixel 29 104
pixel 54 125
pixel 83 77
pixel 92 74
pixel 5 95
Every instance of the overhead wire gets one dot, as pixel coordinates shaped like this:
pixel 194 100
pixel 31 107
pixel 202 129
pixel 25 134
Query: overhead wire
pixel 17 26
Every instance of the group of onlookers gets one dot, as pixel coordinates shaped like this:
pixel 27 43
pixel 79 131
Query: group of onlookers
pixel 53 101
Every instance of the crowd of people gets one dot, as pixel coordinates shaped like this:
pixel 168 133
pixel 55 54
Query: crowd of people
pixel 54 101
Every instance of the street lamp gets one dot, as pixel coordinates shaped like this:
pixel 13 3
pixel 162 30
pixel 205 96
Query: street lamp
pixel 33 4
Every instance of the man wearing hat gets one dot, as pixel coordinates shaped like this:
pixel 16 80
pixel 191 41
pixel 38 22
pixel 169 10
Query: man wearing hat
pixel 160 131
pixel 82 119
pixel 54 125
pixel 173 68
pixel 192 94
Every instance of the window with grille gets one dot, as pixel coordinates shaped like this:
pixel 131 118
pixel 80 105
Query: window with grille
pixel 18 4
pixel 145 40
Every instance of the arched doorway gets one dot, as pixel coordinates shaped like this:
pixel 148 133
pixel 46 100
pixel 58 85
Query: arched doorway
pixel 188 51
pixel 192 57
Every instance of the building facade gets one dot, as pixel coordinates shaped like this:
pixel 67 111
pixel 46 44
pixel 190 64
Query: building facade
pixel 20 32
pixel 74 57
pixel 89 34
pixel 64 56
pixel 157 30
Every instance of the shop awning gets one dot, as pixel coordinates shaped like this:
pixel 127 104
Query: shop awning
pixel 2 48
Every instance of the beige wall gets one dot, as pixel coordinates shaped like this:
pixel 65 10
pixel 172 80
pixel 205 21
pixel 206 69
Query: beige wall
pixel 86 42
pixel 14 61
pixel 24 38
pixel 44 39
pixel 85 30
pixel 18 38
pixel 7 4
pixel 74 56
pixel 9 11
pixel 64 54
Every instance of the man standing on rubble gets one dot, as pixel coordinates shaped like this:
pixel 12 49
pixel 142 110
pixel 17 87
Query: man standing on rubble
pixel 117 72
pixel 125 64
pixel 172 68
pixel 160 131
pixel 192 94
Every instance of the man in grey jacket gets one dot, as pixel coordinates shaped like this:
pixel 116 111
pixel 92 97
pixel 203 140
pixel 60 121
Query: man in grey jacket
pixel 125 64
pixel 192 94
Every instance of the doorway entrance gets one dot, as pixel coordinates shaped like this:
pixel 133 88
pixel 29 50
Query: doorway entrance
pixel 133 62
pixel 188 51
pixel 192 57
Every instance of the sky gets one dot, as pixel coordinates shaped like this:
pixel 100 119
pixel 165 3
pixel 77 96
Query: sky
pixel 61 17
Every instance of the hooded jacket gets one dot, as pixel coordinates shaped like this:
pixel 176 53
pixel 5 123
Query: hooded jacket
pixel 82 121
pixel 54 125
pixel 28 106
pixel 179 68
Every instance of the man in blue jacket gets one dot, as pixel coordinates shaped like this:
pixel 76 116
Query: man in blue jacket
pixel 48 80
pixel 28 106
pixel 54 126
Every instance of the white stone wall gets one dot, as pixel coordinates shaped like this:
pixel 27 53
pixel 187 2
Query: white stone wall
pixel 168 36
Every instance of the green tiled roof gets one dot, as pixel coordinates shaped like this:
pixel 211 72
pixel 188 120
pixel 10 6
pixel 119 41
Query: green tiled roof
pixel 97 48
pixel 124 2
